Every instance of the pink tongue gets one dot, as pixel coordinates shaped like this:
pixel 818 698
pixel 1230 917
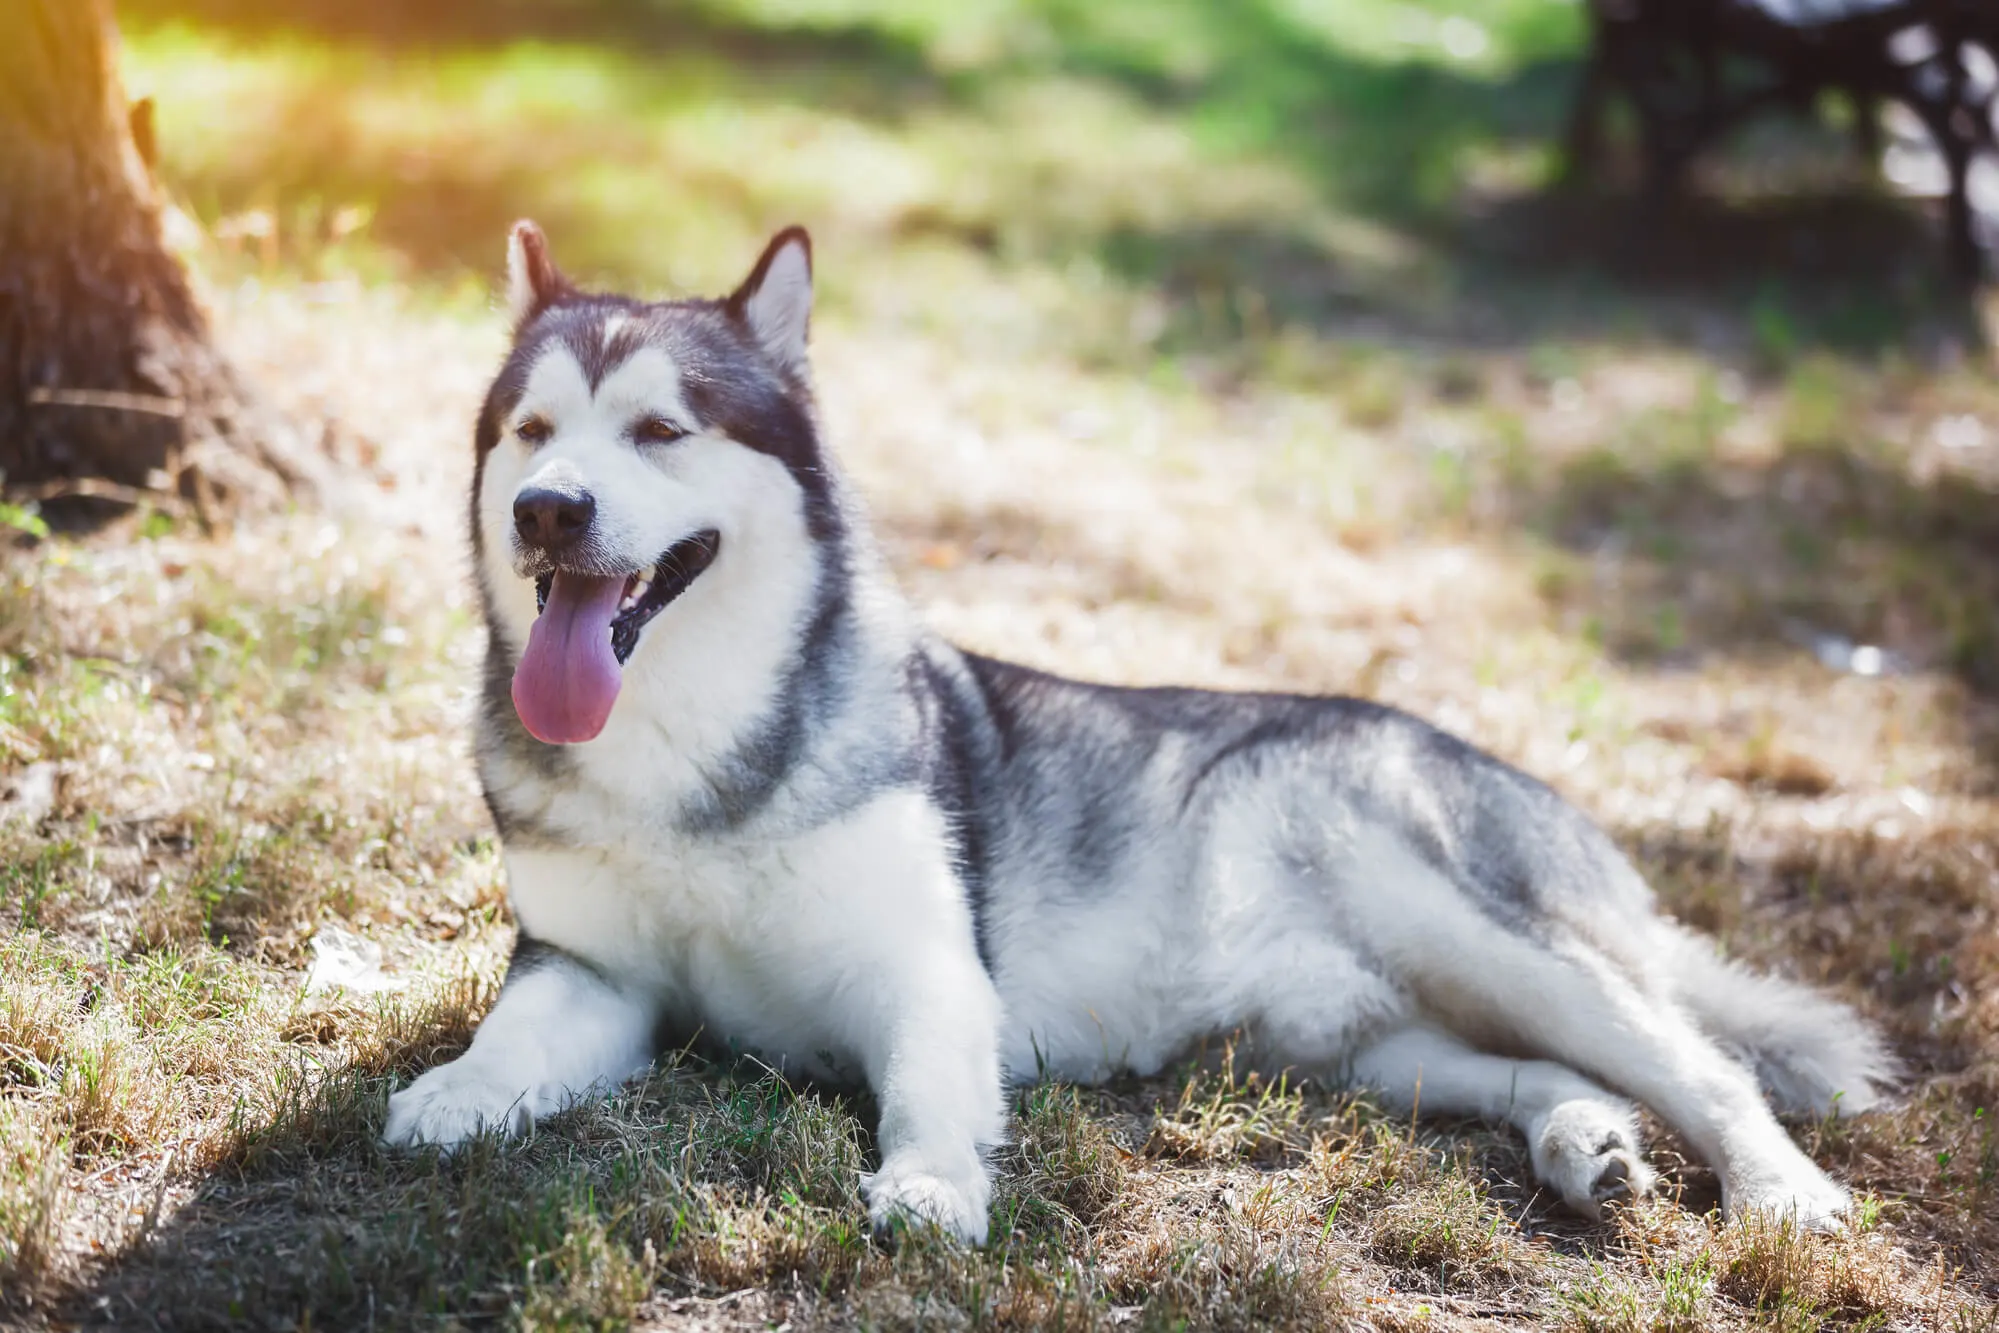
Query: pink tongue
pixel 568 677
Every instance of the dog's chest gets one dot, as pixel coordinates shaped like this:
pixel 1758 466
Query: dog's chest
pixel 713 933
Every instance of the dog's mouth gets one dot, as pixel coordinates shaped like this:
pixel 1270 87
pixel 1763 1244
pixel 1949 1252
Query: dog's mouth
pixel 648 591
pixel 586 626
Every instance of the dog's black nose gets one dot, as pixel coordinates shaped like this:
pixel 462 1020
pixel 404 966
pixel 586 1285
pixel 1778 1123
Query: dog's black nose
pixel 552 520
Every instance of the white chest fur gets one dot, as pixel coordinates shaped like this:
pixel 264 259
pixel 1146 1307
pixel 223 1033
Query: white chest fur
pixel 762 943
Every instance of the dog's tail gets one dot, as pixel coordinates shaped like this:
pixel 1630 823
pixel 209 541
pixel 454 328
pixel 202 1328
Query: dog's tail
pixel 1811 1053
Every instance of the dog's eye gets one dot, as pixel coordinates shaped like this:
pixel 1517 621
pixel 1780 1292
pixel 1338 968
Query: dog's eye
pixel 534 430
pixel 655 430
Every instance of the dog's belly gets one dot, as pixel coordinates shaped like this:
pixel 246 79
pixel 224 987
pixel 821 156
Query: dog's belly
pixel 1201 944
pixel 1297 997
pixel 1119 979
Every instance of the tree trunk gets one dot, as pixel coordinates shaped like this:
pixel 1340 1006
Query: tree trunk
pixel 109 384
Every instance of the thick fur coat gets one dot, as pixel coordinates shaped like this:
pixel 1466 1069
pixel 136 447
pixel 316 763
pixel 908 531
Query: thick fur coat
pixel 743 792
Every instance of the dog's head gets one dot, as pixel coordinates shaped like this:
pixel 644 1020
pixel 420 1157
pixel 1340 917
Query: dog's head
pixel 627 451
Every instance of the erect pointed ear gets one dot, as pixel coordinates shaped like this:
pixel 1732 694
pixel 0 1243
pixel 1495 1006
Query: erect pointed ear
pixel 776 299
pixel 534 283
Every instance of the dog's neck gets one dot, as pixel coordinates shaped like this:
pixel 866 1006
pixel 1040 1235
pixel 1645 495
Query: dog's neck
pixel 791 640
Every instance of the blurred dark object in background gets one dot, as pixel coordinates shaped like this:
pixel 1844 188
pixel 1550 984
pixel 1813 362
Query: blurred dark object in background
pixel 1693 70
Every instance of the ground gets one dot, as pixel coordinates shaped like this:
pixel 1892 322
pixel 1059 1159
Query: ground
pixel 1229 345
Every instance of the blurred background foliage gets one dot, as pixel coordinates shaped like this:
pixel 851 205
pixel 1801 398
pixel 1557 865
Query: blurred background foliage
pixel 1136 179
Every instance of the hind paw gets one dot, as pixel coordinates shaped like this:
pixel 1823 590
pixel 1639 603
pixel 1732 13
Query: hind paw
pixel 1795 1192
pixel 1587 1152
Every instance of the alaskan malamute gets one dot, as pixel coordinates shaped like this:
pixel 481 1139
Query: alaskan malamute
pixel 743 791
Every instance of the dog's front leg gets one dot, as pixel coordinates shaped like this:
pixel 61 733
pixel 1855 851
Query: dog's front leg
pixel 936 1075
pixel 923 1017
pixel 558 1033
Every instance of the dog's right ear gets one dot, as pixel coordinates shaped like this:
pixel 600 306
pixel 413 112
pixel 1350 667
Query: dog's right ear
pixel 534 283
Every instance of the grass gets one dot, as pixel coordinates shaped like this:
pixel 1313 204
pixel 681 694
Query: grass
pixel 1231 346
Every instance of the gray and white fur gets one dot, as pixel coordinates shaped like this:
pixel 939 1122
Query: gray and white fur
pixel 813 830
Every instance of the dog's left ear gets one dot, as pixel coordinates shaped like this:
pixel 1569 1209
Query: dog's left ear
pixel 776 299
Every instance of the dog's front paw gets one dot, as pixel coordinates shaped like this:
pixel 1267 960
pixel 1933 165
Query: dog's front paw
pixel 457 1101
pixel 909 1189
pixel 1587 1151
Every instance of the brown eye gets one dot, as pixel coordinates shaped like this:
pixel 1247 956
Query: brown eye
pixel 655 430
pixel 534 430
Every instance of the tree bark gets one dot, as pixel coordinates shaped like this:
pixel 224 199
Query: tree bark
pixel 109 383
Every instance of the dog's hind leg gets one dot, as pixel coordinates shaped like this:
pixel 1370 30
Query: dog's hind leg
pixel 1556 996
pixel 1584 1012
pixel 1583 1141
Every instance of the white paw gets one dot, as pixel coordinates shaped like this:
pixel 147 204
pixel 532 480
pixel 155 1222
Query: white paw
pixel 1587 1152
pixel 912 1190
pixel 457 1101
pixel 1796 1192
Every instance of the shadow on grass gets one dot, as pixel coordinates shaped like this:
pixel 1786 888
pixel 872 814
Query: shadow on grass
pixel 697 1178
pixel 1752 285
pixel 1825 547
pixel 700 1180
pixel 1849 271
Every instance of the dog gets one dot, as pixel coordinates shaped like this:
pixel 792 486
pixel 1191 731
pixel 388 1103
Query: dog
pixel 742 791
